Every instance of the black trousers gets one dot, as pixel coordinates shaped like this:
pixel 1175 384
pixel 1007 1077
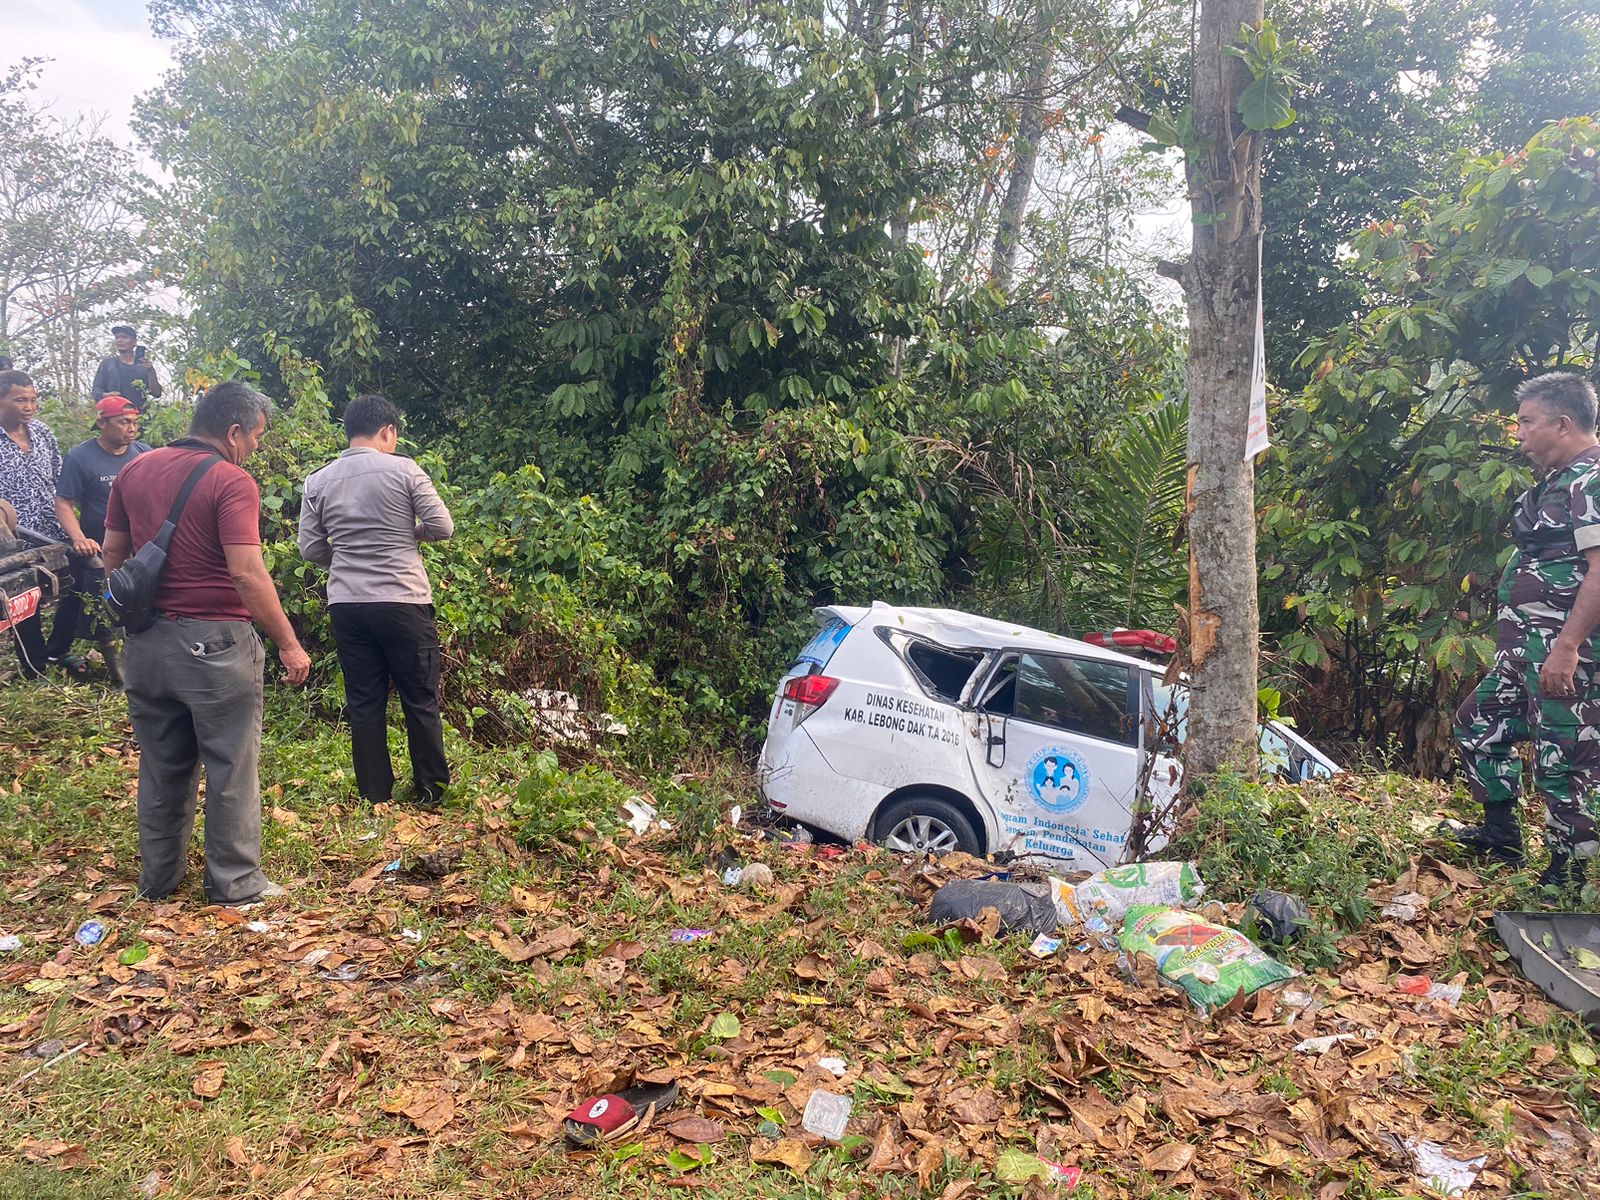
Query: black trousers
pixel 380 644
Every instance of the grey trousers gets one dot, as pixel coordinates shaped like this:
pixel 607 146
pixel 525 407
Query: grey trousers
pixel 194 695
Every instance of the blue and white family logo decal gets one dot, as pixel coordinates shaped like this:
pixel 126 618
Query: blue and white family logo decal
pixel 1059 779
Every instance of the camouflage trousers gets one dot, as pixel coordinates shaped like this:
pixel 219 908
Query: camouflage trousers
pixel 1506 709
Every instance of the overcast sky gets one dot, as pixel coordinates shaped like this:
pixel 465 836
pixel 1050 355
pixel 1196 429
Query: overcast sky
pixel 102 56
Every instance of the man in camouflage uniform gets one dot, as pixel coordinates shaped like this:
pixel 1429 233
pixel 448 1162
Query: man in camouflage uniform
pixel 1545 683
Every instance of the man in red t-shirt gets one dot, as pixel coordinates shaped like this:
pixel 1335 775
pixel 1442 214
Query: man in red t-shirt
pixel 194 677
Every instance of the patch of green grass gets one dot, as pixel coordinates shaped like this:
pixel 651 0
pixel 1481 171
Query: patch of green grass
pixel 31 1181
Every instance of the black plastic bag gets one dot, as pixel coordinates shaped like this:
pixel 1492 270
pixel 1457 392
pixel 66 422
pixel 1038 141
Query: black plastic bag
pixel 1019 908
pixel 1279 916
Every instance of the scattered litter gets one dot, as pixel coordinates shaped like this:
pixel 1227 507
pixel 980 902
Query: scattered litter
pixel 315 956
pixel 46 1049
pixel 1423 986
pixel 259 927
pixel 1298 1002
pixel 1019 908
pixel 757 875
pixel 1044 946
pixel 10 943
pixel 1211 962
pixel 1321 1045
pixel 369 836
pixel 735 815
pixel 90 933
pixel 1406 907
pixel 827 1115
pixel 690 935
pixel 1109 894
pixel 1442 1171
pixel 414 936
pixel 348 973
pixel 835 1065
pixel 732 876
pixel 1063 1175
pixel 1281 916
pixel 641 815
pixel 392 867
pixel 769 1129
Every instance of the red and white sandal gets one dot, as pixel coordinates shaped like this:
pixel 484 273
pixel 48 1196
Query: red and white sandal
pixel 602 1118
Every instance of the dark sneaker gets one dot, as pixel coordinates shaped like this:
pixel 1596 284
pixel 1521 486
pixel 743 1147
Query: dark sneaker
pixel 1564 873
pixel 1496 844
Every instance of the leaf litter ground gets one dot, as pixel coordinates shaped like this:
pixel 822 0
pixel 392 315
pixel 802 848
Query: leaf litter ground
pixel 431 999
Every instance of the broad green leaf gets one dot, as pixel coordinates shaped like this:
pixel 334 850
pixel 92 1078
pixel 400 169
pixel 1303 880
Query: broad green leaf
pixel 1581 1053
pixel 1265 104
pixel 1018 1166
pixel 773 1114
pixel 692 1159
pixel 725 1025
pixel 1539 275
pixel 135 953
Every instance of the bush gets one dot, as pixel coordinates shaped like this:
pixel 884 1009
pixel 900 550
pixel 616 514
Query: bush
pixel 530 593
pixel 1313 841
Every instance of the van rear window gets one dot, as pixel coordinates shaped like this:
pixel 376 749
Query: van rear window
pixel 821 648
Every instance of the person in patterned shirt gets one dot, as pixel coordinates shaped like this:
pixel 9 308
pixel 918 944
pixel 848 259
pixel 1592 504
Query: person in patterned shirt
pixel 1544 686
pixel 30 461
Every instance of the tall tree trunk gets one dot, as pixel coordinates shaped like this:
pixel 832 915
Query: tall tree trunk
pixel 1030 128
pixel 1220 283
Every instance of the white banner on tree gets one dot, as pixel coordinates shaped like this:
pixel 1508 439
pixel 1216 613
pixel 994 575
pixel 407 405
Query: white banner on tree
pixel 1257 437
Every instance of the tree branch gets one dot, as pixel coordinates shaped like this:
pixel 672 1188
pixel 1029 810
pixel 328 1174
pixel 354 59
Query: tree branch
pixel 1132 116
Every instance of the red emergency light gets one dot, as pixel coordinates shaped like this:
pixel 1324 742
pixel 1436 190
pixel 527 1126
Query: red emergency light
pixel 1133 639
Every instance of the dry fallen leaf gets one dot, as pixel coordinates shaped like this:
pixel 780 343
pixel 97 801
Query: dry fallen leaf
pixel 786 1152
pixel 430 1109
pixel 236 1153
pixel 1174 1156
pixel 208 1079
pixel 696 1129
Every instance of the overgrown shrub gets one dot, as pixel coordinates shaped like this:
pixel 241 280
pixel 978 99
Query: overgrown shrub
pixel 522 591
pixel 1313 841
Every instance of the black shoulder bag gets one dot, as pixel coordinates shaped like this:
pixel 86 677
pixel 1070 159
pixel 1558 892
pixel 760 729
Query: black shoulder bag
pixel 131 590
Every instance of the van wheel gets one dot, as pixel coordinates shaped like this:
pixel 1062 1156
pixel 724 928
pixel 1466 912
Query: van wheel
pixel 926 825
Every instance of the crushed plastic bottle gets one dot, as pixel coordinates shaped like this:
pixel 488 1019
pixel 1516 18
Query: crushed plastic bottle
pixel 10 943
pixel 827 1115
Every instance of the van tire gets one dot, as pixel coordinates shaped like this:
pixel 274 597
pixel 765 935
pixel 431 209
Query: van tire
pixel 921 824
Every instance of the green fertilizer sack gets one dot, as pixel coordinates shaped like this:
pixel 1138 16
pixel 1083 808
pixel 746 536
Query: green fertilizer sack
pixel 1211 962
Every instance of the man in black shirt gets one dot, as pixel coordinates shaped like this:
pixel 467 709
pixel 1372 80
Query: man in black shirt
pixel 82 490
pixel 127 372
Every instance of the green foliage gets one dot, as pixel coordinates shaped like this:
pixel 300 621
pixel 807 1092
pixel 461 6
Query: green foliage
pixel 684 345
pixel 555 809
pixel 1267 102
pixel 1325 847
pixel 1398 90
pixel 1382 522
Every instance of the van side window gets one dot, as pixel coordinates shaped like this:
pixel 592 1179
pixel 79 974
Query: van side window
pixel 1079 695
pixel 1000 692
pixel 942 673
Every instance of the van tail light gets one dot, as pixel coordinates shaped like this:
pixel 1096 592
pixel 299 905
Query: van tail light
pixel 810 690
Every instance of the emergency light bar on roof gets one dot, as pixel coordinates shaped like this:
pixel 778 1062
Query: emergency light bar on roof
pixel 1133 639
